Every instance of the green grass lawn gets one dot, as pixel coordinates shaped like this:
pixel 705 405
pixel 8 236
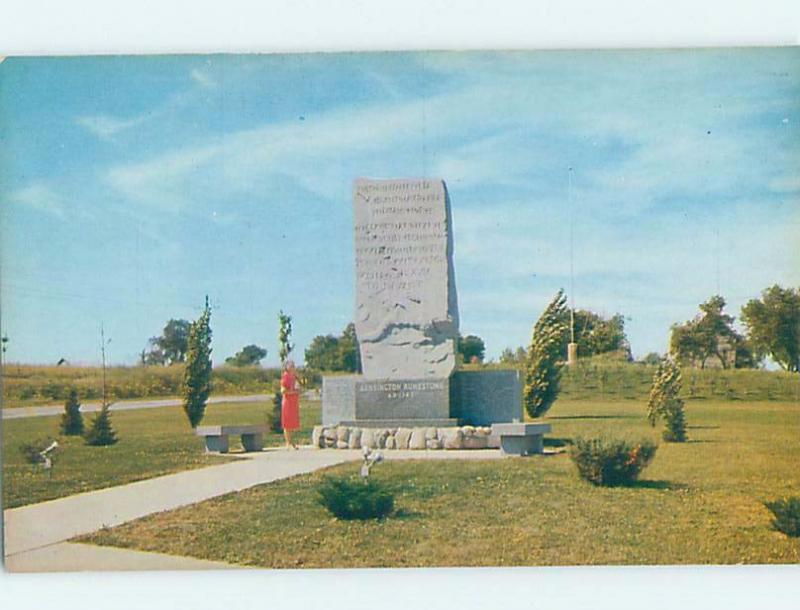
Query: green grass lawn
pixel 152 442
pixel 699 502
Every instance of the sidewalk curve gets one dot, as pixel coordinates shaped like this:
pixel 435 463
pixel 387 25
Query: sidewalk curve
pixel 36 536
pixel 30 527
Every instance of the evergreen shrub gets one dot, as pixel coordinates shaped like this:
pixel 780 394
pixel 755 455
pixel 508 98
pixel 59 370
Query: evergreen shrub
pixel 101 432
pixel 350 498
pixel 611 462
pixel 72 420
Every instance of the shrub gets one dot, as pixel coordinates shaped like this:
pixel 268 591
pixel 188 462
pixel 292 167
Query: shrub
pixel 101 431
pixel 351 498
pixel 611 462
pixel 786 515
pixel 72 420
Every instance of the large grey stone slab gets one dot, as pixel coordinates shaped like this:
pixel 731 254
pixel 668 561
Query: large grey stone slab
pixel 406 307
pixel 483 398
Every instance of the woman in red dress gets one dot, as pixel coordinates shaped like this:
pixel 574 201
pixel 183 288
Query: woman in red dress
pixel 290 406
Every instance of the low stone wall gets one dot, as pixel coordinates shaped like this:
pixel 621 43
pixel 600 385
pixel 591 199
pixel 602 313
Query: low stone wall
pixel 353 437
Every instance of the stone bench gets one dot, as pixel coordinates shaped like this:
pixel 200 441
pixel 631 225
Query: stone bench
pixel 217 437
pixel 521 438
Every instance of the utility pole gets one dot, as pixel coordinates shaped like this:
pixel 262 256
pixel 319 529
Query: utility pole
pixel 572 347
pixel 103 357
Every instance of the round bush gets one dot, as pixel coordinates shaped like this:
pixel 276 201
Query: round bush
pixel 611 462
pixel 350 498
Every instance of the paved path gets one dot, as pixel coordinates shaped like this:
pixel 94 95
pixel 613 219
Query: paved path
pixel 76 557
pixel 90 407
pixel 35 534
pixel 38 525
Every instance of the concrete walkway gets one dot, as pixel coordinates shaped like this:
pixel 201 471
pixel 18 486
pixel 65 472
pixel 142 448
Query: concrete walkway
pixel 76 557
pixel 35 535
pixel 38 525
pixel 91 407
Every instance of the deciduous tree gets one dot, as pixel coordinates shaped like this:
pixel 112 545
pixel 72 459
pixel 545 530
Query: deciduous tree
pixel 595 334
pixel 247 356
pixel 330 353
pixel 171 346
pixel 471 347
pixel 710 334
pixel 773 326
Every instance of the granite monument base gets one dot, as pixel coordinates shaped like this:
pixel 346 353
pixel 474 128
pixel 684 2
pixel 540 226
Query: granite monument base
pixel 477 398
pixel 353 400
pixel 485 397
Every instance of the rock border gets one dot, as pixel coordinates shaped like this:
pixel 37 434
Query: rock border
pixel 354 437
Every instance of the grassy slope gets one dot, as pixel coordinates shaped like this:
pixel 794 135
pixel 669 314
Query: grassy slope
pixel 26 384
pixel 699 502
pixel 152 442
pixel 596 379
pixel 593 379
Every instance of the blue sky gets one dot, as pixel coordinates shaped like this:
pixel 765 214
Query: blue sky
pixel 132 186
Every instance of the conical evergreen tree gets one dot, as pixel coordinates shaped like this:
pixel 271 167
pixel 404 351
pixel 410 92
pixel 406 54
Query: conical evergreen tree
pixel 197 376
pixel 544 361
pixel 101 431
pixel 665 401
pixel 72 420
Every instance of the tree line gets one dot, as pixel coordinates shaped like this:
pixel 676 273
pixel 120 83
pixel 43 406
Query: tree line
pixel 772 328
pixel 772 324
pixel 172 345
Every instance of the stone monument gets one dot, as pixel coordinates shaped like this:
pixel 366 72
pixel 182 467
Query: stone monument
pixel 406 319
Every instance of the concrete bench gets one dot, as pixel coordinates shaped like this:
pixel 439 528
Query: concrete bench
pixel 217 437
pixel 520 438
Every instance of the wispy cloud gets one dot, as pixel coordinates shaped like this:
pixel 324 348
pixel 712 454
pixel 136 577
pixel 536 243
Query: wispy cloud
pixel 40 197
pixel 202 78
pixel 105 126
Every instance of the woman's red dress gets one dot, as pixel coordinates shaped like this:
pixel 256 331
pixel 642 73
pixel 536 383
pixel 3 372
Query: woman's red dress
pixel 290 406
